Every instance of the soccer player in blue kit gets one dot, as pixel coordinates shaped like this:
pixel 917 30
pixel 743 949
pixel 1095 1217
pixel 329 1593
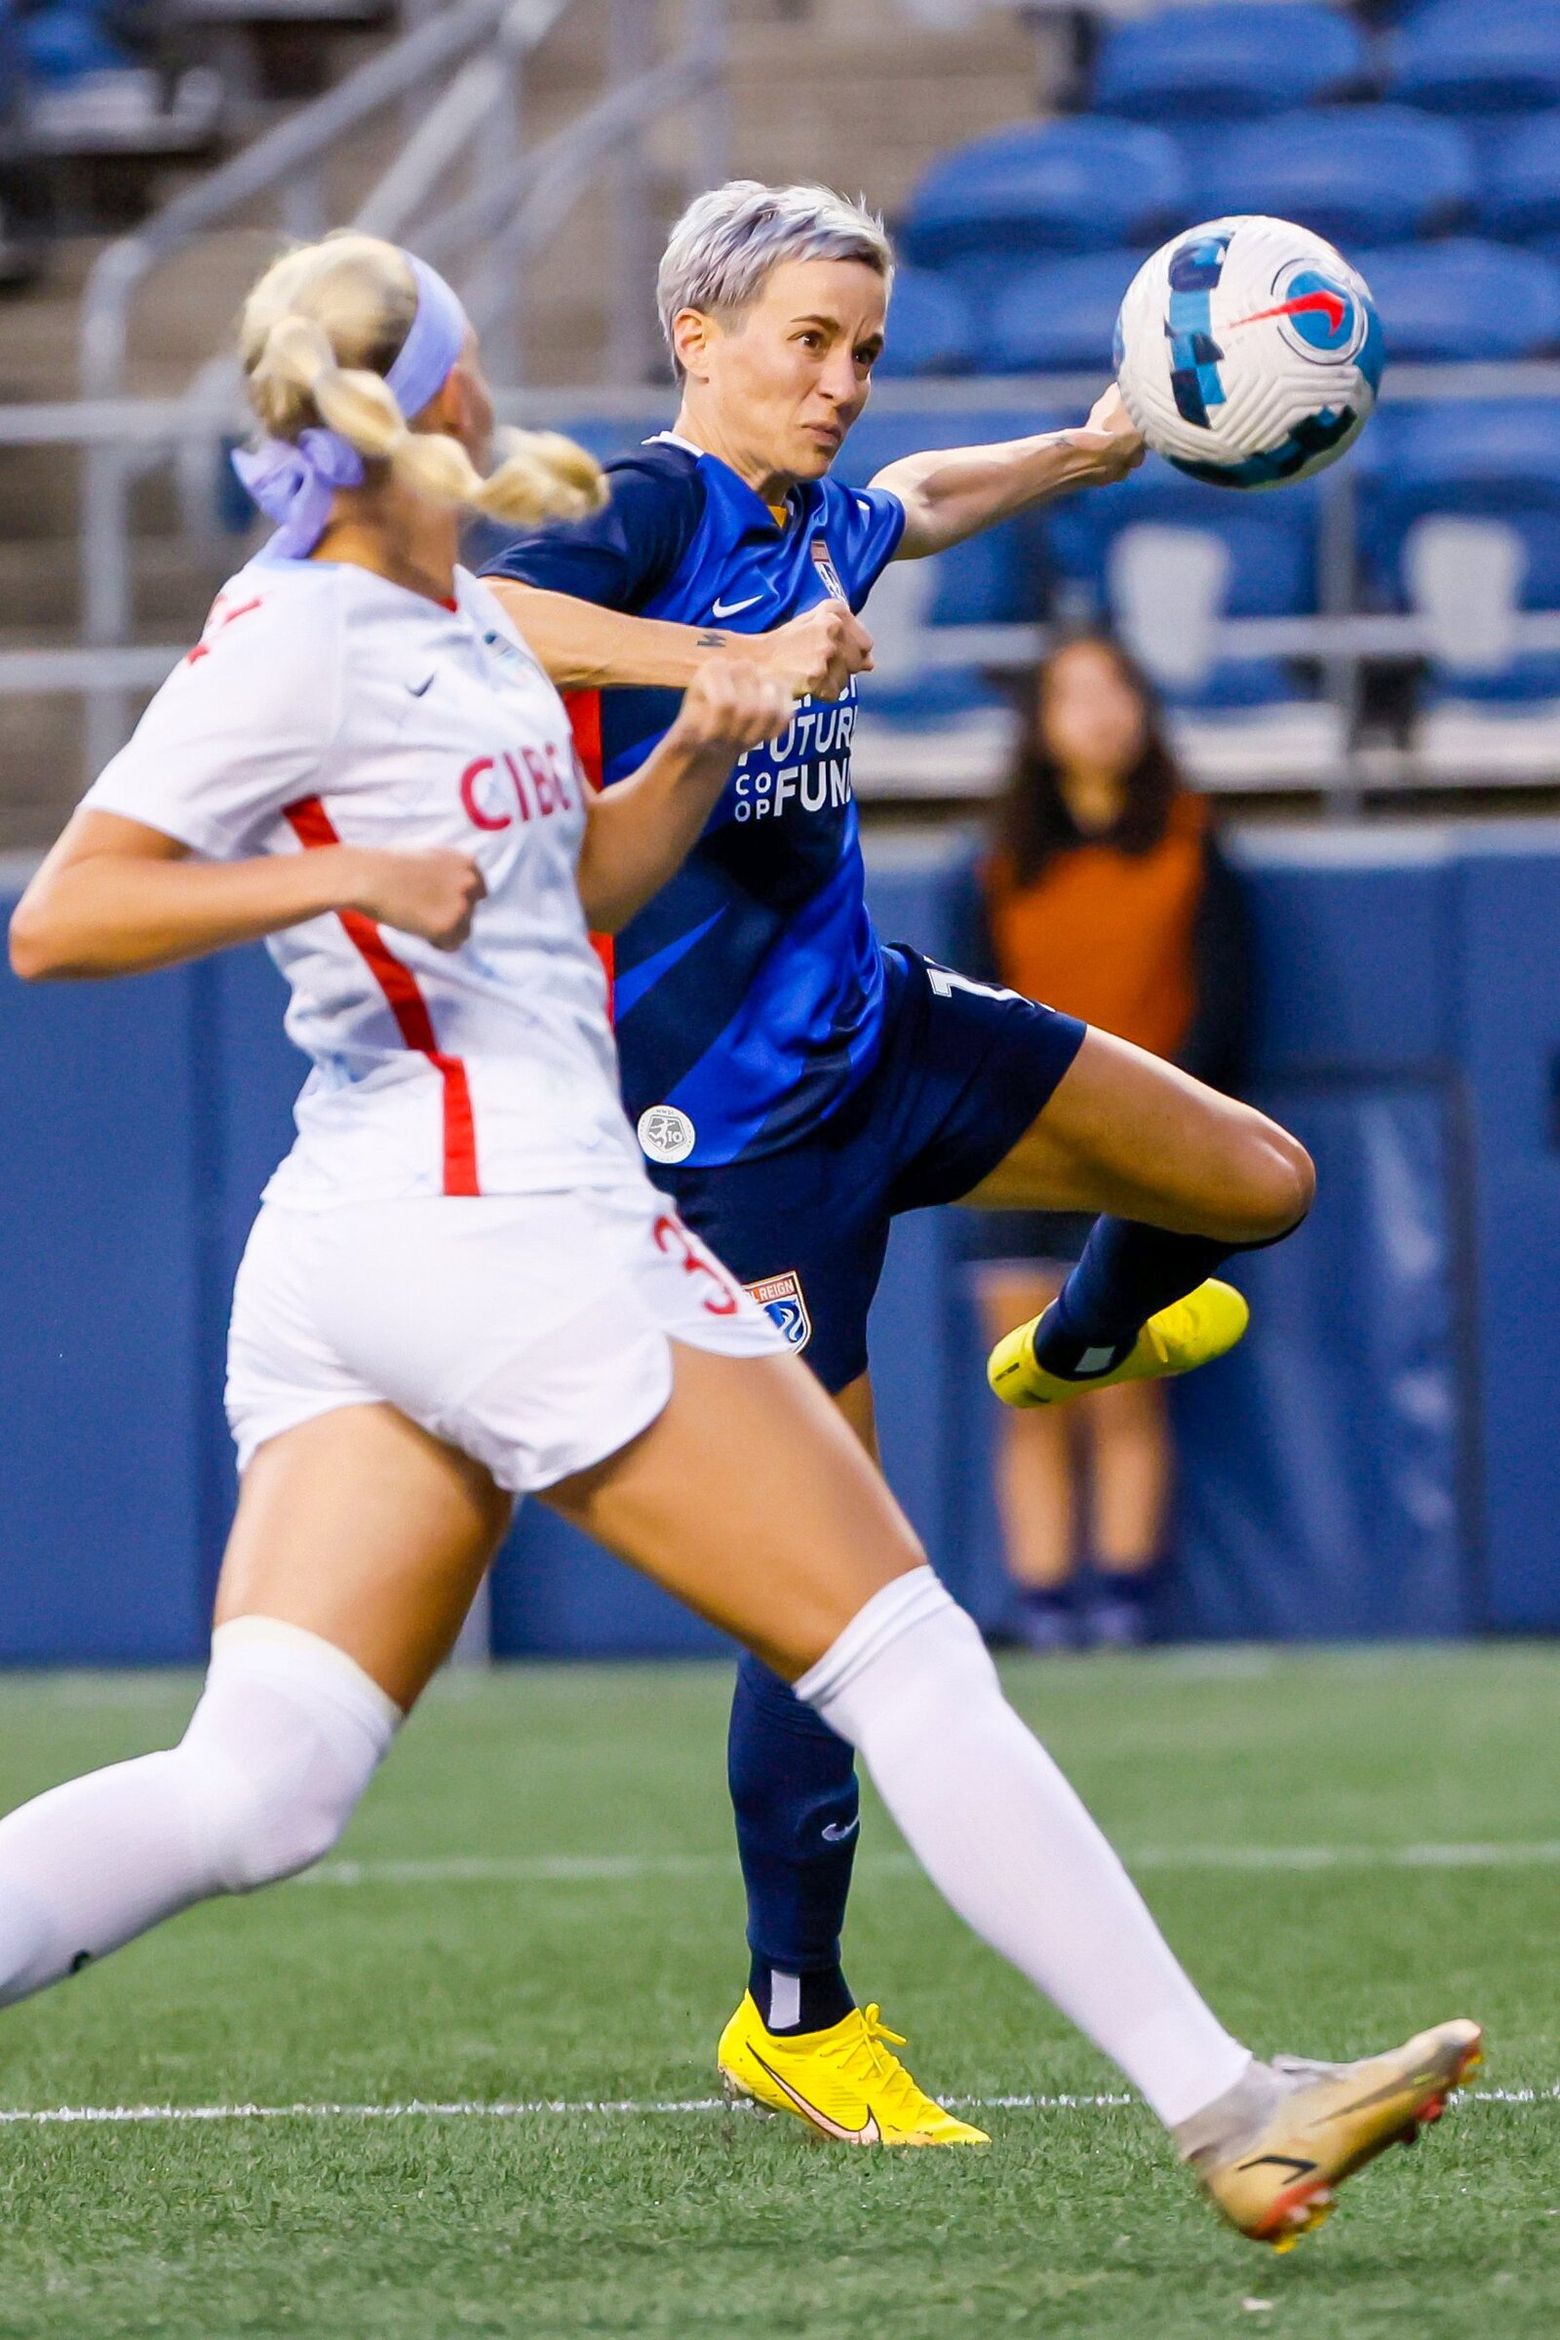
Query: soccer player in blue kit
pixel 795 1083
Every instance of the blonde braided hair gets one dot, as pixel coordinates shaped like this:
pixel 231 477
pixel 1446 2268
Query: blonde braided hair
pixel 317 335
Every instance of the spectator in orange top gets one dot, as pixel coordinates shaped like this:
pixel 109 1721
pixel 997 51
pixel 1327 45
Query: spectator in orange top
pixel 1105 895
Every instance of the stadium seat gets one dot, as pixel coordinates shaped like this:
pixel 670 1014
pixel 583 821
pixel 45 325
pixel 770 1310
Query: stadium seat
pixel 1463 299
pixel 1070 186
pixel 1493 469
pixel 1165 560
pixel 63 44
pixel 1359 174
pixel 930 330
pixel 1479 56
pixel 1520 193
pixel 1062 313
pixel 1242 58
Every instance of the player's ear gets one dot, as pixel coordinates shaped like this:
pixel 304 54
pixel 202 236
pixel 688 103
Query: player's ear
pixel 451 403
pixel 463 408
pixel 693 332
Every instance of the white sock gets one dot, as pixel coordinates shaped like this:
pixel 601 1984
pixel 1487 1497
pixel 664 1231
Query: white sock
pixel 1008 1843
pixel 287 1735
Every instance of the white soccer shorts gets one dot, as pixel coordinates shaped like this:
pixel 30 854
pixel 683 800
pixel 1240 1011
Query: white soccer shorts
pixel 531 1331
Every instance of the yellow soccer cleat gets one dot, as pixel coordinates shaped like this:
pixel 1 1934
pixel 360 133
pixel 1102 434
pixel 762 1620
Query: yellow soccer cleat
pixel 841 2083
pixel 1189 1332
pixel 1272 2153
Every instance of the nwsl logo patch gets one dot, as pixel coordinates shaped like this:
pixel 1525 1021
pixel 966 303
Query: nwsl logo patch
pixel 783 1302
pixel 826 570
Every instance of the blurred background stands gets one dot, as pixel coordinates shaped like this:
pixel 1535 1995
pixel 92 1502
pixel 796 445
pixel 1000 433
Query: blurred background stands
pixel 1391 633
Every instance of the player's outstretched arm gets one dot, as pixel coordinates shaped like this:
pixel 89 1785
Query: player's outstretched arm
pixel 639 832
pixel 585 647
pixel 118 898
pixel 954 492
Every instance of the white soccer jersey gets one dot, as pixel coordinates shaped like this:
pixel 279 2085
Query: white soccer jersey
pixel 323 704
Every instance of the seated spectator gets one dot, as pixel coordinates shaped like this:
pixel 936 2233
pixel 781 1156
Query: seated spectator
pixel 1106 895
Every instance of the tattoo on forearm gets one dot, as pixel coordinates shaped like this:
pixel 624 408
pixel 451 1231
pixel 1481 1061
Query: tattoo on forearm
pixel 709 640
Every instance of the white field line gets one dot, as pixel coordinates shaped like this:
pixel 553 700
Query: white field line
pixel 553 2108
pixel 626 1868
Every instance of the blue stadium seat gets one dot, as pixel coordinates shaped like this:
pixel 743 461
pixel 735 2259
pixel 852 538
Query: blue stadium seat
pixel 1070 186
pixel 1241 58
pixel 1359 174
pixel 1061 314
pixel 1232 557
pixel 1479 56
pixel 930 330
pixel 1520 194
pixel 63 44
pixel 1463 299
pixel 1496 463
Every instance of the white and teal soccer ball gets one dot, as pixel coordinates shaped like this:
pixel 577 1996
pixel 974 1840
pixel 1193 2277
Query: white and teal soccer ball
pixel 1248 352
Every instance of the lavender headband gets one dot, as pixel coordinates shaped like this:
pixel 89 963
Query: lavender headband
pixel 293 481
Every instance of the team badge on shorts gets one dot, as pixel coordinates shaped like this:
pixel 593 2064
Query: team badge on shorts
pixel 784 1303
pixel 665 1134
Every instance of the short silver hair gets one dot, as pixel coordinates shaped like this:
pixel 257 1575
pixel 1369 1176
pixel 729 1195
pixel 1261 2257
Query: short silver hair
pixel 726 242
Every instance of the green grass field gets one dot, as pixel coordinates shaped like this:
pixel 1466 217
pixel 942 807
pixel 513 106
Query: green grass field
pixel 538 1902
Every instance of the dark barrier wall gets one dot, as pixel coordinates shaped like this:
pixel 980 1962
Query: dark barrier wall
pixel 1379 1457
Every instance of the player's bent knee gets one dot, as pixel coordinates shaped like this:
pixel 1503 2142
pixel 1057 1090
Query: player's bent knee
pixel 279 1751
pixel 256 1831
pixel 1287 1185
pixel 1272 1188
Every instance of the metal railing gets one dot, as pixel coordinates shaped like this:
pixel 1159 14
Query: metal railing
pixel 107 669
pixel 462 67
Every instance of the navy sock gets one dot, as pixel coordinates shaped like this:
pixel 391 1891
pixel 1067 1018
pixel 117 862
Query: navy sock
pixel 797 1805
pixel 1127 1273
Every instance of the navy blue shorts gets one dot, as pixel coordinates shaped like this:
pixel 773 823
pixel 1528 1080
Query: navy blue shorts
pixel 961 1074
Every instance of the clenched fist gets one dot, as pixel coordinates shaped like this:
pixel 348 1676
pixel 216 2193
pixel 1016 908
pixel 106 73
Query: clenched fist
pixel 731 704
pixel 432 893
pixel 818 652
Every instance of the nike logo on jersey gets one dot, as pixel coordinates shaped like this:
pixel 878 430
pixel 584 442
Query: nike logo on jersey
pixel 867 2134
pixel 833 1833
pixel 723 609
pixel 421 690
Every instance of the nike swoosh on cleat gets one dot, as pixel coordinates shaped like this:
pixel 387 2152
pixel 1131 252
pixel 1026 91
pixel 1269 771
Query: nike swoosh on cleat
pixel 722 609
pixel 868 2134
pixel 1280 2161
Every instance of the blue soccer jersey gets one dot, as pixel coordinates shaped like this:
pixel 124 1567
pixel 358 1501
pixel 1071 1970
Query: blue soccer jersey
pixel 749 993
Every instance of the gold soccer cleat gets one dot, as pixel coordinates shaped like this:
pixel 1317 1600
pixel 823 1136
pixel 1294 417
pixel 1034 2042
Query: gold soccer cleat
pixel 842 2083
pixel 1272 2152
pixel 1189 1332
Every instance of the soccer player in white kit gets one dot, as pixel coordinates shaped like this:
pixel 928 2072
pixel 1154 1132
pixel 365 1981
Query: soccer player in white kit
pixel 462 1288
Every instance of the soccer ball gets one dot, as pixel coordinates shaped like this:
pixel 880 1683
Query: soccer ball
pixel 1248 352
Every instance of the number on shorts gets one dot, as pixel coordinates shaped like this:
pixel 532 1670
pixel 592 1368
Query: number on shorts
pixel 945 982
pixel 672 1236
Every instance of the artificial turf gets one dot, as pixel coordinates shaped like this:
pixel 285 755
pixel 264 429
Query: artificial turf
pixel 538 1902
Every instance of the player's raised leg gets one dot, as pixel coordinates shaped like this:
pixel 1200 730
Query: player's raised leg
pixel 749 1498
pixel 358 1546
pixel 1185 1178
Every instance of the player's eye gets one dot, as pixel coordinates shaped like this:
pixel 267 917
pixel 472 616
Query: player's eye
pixel 810 340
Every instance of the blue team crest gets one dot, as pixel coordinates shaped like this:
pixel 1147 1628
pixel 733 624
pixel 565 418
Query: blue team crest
pixel 824 565
pixel 784 1303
